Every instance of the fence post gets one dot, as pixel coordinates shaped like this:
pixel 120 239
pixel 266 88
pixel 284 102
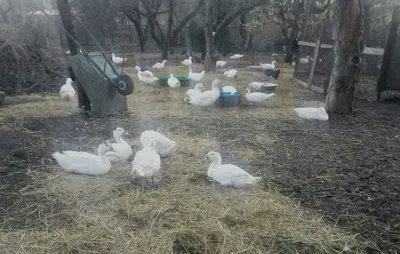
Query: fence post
pixel 390 47
pixel 314 63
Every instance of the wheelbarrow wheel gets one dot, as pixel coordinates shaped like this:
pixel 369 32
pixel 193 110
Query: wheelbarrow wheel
pixel 124 84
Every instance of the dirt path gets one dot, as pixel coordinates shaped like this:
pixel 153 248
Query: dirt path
pixel 347 168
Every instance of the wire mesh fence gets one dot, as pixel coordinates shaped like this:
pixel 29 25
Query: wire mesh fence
pixel 367 84
pixel 323 68
pixel 304 61
pixel 318 78
pixel 316 56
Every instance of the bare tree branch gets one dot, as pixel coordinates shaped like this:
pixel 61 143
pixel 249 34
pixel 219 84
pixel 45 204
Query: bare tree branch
pixel 239 11
pixel 188 17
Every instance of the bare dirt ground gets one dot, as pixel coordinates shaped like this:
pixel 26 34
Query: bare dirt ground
pixel 344 172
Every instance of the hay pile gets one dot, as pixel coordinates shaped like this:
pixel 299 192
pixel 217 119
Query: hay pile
pixel 61 213
pixel 23 107
pixel 109 215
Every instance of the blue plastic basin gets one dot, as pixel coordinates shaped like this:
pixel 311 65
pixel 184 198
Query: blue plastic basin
pixel 227 100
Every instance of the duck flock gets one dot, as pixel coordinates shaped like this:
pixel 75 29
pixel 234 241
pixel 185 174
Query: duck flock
pixel 200 98
pixel 147 161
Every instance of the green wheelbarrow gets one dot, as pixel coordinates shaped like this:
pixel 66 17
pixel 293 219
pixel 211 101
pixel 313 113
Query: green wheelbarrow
pixel 102 83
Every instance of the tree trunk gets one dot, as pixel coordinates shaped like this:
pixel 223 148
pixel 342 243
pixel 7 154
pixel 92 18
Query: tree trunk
pixel 366 37
pixel 295 28
pixel 348 56
pixel 188 41
pixel 142 42
pixel 168 37
pixel 210 61
pixel 243 33
pixel 367 23
pixel 289 51
pixel 67 21
pixel 137 22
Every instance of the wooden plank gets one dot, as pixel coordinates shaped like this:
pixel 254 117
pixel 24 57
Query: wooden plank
pixel 326 85
pixel 300 82
pixel 306 43
pixel 326 46
pixel 367 50
pixel 314 63
pixel 317 89
pixel 374 51
pixel 304 84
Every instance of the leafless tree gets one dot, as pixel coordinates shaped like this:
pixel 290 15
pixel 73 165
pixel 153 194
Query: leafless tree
pixel 164 38
pixel 133 10
pixel 216 20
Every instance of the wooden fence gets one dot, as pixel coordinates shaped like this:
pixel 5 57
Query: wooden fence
pixel 380 65
pixel 321 64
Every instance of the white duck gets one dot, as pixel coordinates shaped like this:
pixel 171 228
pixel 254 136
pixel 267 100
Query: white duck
pixel 229 89
pixel 85 163
pixel 146 77
pixel 312 113
pixel 236 56
pixel 196 76
pixel 206 98
pixel 221 64
pixel 256 97
pixel 67 92
pixel 187 62
pixel 228 174
pixel 117 60
pixel 173 82
pixel 258 85
pixel 121 150
pixel 164 146
pixel 231 74
pixel 268 66
pixel 305 60
pixel 147 162
pixel 159 66
pixel 193 92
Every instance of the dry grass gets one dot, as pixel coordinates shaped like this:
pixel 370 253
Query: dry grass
pixel 185 214
pixel 34 106
pixel 109 215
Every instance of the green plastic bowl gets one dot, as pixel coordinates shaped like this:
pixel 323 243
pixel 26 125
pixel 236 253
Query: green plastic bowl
pixel 185 81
